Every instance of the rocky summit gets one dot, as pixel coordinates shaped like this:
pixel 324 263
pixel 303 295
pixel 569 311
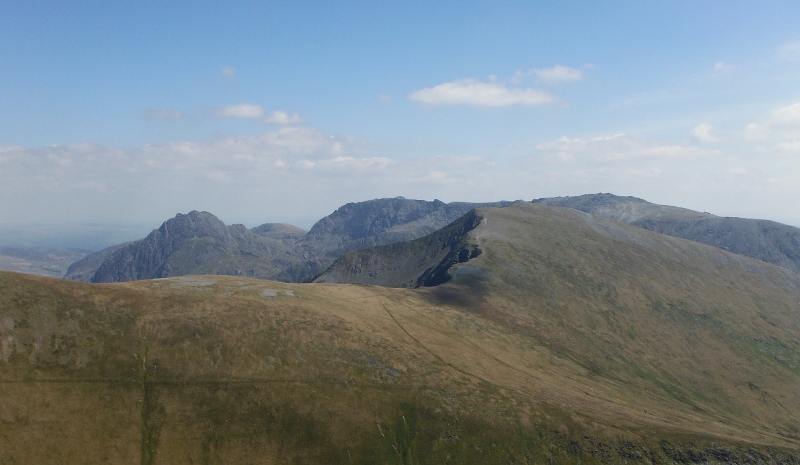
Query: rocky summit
pixel 199 243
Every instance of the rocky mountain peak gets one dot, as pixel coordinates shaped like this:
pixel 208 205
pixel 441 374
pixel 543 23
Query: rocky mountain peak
pixel 193 224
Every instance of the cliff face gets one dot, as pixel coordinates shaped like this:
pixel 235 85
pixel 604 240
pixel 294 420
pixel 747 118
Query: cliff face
pixel 361 225
pixel 421 262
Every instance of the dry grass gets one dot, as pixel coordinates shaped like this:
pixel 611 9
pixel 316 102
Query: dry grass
pixel 584 341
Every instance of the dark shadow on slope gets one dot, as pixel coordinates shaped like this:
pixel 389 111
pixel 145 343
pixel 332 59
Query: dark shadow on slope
pixel 467 291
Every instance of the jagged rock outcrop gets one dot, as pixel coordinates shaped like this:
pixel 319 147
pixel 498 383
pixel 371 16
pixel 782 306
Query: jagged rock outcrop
pixel 360 225
pixel 764 240
pixel 196 243
pixel 199 243
pixel 421 262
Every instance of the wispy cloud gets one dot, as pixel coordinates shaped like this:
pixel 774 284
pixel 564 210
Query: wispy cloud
pixel 781 124
pixel 242 110
pixel 619 148
pixel 251 111
pixel 477 93
pixel 703 133
pixel 231 174
pixel 556 74
pixel 228 73
pixel 283 118
pixel 318 171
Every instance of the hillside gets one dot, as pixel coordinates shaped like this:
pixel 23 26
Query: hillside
pixel 568 339
pixel 42 261
pixel 199 243
pixel 765 240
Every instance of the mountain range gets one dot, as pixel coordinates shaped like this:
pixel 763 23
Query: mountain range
pixel 523 334
pixel 765 240
pixel 199 243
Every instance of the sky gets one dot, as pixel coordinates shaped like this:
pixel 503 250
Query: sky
pixel 118 112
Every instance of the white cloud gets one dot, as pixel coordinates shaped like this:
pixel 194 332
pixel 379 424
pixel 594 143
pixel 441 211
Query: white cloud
pixel 618 148
pixel 298 171
pixel 755 132
pixel 235 174
pixel 474 92
pixel 250 111
pixel 242 110
pixel 162 113
pixel 789 147
pixel 704 133
pixel 228 73
pixel 786 116
pixel 719 66
pixel 283 118
pixel 780 124
pixel 558 73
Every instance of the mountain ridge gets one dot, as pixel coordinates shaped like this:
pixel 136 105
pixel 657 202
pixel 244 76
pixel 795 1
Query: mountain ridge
pixel 764 240
pixel 287 253
pixel 570 338
pixel 270 251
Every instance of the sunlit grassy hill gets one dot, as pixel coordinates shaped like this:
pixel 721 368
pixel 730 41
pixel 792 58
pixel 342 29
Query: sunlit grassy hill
pixel 567 339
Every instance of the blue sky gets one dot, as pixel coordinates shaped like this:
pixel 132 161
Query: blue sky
pixel 256 111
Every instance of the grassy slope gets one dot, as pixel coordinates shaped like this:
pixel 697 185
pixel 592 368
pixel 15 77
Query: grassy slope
pixel 710 338
pixel 575 345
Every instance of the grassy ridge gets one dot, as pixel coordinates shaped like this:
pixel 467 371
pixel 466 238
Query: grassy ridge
pixel 579 341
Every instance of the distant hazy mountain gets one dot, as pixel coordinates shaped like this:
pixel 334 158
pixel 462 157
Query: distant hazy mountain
pixel 199 243
pixel 85 268
pixel 764 240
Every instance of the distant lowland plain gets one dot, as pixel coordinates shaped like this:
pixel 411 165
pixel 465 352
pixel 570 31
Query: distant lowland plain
pixel 589 329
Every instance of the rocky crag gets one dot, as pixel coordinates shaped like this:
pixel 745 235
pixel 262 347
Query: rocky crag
pixel 199 243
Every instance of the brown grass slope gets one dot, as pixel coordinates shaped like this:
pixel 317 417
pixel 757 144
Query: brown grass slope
pixel 572 340
pixel 655 319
